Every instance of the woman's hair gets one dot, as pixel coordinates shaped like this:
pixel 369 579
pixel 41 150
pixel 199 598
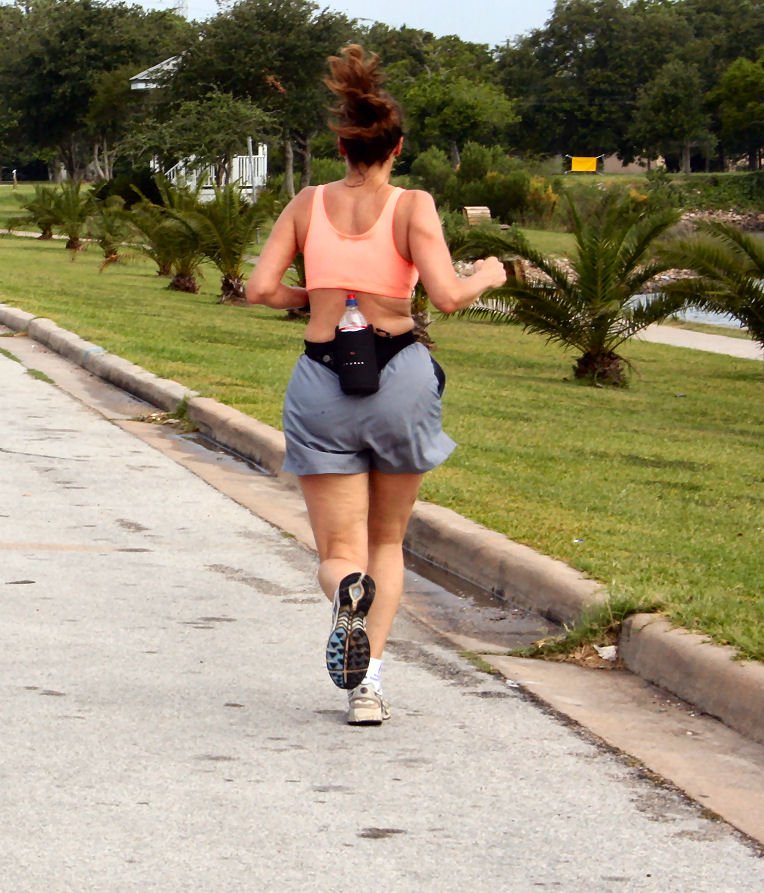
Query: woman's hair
pixel 367 120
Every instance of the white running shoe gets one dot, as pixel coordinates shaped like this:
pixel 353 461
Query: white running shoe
pixel 366 707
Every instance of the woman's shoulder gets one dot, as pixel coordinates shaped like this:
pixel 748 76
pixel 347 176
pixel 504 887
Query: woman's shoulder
pixel 418 206
pixel 417 198
pixel 301 203
pixel 305 195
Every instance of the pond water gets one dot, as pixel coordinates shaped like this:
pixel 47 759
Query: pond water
pixel 711 319
pixel 692 314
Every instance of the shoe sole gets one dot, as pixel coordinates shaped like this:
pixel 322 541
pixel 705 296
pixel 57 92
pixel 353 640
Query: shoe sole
pixel 367 711
pixel 348 651
pixel 366 716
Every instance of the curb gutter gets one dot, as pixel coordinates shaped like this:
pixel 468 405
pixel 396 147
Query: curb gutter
pixel 697 671
pixel 678 661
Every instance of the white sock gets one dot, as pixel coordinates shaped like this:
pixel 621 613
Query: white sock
pixel 373 675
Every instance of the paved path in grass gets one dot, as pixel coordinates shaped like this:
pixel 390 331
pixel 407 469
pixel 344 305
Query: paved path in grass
pixel 168 724
pixel 725 344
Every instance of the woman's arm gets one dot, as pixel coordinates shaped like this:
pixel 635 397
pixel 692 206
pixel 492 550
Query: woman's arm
pixel 265 285
pixel 429 252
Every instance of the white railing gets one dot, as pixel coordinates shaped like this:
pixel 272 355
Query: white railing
pixel 248 171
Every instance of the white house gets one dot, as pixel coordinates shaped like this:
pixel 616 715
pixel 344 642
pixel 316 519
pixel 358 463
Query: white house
pixel 250 171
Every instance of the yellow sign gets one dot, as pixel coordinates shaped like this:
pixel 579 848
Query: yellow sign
pixel 580 164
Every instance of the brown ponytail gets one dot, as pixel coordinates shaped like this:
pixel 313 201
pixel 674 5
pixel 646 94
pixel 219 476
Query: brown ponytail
pixel 366 118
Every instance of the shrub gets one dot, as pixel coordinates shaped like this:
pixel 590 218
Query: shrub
pixel 433 170
pixel 505 194
pixel 325 170
pixel 130 186
pixel 541 202
pixel 475 163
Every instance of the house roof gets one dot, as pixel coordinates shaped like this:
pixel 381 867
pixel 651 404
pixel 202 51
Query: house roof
pixel 151 77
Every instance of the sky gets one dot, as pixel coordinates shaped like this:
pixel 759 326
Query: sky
pixel 482 21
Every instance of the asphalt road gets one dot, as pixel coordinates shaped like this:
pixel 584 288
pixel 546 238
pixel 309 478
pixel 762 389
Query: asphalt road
pixel 168 723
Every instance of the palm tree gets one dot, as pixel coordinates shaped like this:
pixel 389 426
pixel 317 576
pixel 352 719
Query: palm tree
pixel 39 210
pixel 225 228
pixel 150 238
pixel 109 225
pixel 597 302
pixel 729 267
pixel 71 209
pixel 164 236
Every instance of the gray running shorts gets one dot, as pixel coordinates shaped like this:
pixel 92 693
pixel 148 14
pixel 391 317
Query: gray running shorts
pixel 397 430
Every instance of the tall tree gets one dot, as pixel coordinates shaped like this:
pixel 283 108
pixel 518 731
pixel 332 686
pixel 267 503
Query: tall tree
pixel 448 111
pixel 64 50
pixel 739 102
pixel 670 114
pixel 272 52
pixel 568 80
pixel 448 87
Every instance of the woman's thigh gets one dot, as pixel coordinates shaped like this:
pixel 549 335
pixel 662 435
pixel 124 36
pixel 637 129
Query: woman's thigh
pixel 391 500
pixel 349 511
pixel 338 508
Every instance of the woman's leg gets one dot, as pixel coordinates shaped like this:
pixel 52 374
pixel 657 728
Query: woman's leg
pixel 338 508
pixel 391 500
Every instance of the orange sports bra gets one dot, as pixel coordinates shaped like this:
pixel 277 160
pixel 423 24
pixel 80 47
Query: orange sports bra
pixel 368 262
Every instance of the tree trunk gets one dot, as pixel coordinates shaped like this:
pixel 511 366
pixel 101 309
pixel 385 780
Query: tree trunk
pixel 686 158
pixel 232 290
pixel 601 368
pixel 456 158
pixel 71 153
pixel 56 172
pixel 753 160
pixel 306 151
pixel 289 168
pixel 100 163
pixel 108 160
pixel 184 282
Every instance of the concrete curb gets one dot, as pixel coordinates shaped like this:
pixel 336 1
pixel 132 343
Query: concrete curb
pixel 672 658
pixel 161 392
pixel 508 569
pixel 697 671
pixel 256 441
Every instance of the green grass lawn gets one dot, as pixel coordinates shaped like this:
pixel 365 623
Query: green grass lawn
pixel 550 241
pixel 657 491
pixel 9 206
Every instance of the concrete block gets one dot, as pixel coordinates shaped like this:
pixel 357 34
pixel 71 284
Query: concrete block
pixel 62 341
pixel 509 569
pixel 697 671
pixel 256 441
pixel 161 392
pixel 17 320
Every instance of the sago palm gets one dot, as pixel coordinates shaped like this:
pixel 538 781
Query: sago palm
pixel 597 302
pixel 150 238
pixel 40 210
pixel 72 208
pixel 172 244
pixel 729 268
pixel 109 225
pixel 225 228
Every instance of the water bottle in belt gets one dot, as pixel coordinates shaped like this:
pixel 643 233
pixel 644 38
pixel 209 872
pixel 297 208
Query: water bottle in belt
pixel 352 319
pixel 355 352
